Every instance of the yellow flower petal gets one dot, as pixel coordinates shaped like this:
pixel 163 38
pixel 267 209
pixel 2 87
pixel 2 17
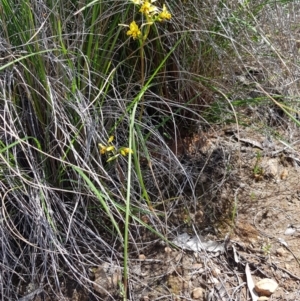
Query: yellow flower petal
pixel 148 9
pixel 134 30
pixel 102 149
pixel 125 151
pixel 164 15
pixel 110 148
pixel 110 139
pixel 128 150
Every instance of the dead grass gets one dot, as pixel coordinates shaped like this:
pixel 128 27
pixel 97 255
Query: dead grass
pixel 58 104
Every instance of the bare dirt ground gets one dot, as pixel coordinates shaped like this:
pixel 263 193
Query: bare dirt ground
pixel 248 202
pixel 256 206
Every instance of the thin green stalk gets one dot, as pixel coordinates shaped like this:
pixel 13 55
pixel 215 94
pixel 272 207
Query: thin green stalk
pixel 142 78
pixel 128 195
pixel 131 144
pixel 142 55
pixel 25 57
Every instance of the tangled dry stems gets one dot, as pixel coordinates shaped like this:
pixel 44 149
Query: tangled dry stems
pixel 52 224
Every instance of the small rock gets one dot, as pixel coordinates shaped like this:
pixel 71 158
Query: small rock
pixel 145 298
pixel 280 251
pixel 289 231
pixel 197 266
pixel 263 298
pixel 213 280
pixel 284 174
pixel 168 250
pixel 198 293
pixel 199 214
pixel 266 287
pixel 142 257
pixel 270 167
pixel 216 272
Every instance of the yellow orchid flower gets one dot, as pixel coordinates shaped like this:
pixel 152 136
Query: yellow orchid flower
pixel 102 148
pixel 164 15
pixel 148 9
pixel 134 30
pixel 125 151
pixel 106 148
pixel 110 148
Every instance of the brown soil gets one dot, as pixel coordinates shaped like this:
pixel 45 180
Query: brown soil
pixel 259 202
pixel 249 198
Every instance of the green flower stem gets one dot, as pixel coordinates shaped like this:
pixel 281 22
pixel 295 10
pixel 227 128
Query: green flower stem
pixel 142 54
pixel 142 77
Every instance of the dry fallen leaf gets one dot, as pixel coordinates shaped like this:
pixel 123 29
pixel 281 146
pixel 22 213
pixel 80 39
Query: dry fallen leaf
pixel 198 243
pixel 250 284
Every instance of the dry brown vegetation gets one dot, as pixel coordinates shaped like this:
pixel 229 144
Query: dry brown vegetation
pixel 214 127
